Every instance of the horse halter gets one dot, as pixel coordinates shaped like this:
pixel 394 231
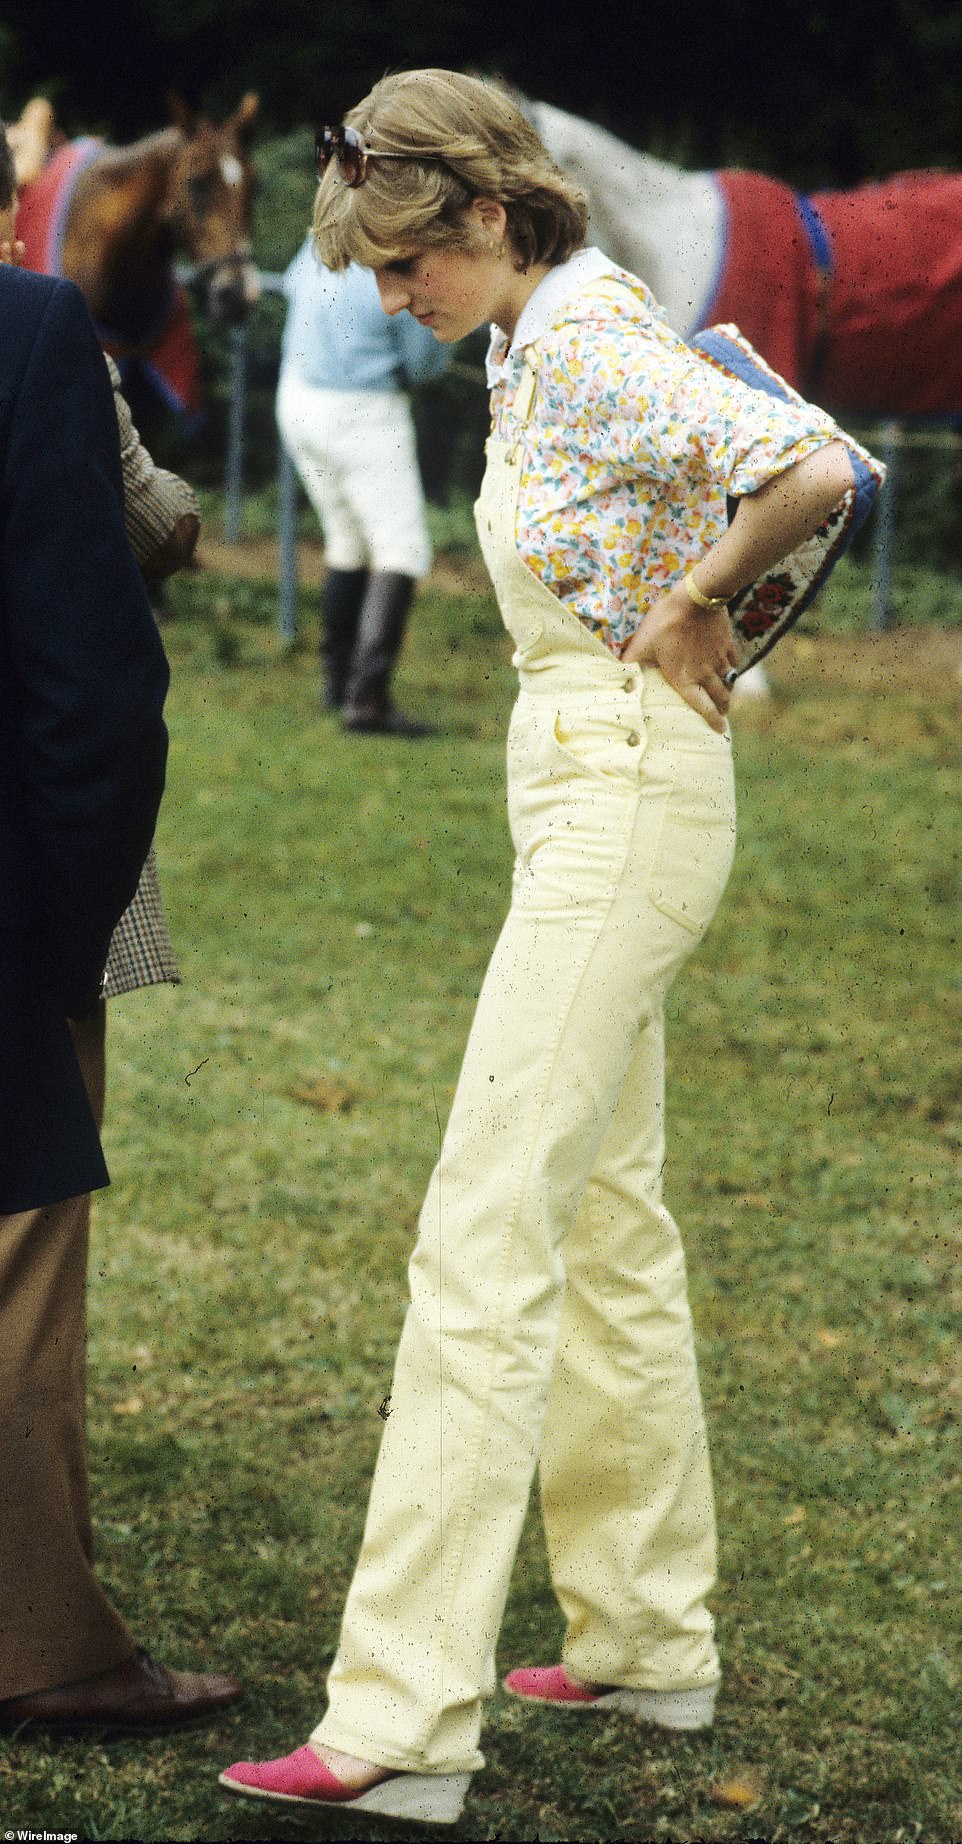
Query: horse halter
pixel 212 189
pixel 352 154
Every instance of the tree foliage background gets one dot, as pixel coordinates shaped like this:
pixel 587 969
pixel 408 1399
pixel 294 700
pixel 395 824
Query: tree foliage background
pixel 817 94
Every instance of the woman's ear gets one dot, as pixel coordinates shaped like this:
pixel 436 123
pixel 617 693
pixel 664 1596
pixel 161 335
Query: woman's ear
pixel 491 217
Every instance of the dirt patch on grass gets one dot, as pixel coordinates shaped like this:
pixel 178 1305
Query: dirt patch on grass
pixel 258 560
pixel 909 659
pixel 923 660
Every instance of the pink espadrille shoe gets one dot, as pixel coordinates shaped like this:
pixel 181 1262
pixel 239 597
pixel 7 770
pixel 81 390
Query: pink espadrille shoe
pixel 666 1709
pixel 302 1779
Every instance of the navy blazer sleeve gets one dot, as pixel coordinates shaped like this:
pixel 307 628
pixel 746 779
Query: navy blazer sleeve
pixel 83 673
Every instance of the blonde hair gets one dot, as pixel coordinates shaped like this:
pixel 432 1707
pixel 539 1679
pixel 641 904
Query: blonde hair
pixel 478 144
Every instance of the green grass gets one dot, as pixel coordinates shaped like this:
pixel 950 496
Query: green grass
pixel 271 1126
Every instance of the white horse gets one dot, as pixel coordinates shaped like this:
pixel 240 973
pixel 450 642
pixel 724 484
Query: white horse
pixel 661 223
pixel 854 296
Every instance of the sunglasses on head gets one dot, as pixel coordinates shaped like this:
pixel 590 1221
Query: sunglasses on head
pixel 346 147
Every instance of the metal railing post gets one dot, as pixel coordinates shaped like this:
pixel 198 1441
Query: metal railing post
pixel 884 545
pixel 286 477
pixel 234 471
pixel 287 538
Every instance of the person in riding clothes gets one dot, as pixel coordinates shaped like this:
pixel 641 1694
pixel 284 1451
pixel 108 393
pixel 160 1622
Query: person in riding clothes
pixel 344 417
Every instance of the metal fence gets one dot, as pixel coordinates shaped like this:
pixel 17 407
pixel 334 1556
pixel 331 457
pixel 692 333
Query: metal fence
pixel 286 477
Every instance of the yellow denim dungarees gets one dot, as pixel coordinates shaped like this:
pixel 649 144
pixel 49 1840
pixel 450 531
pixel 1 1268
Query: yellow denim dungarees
pixel 549 1315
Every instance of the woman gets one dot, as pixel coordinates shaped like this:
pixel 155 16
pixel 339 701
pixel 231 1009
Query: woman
pixel 548 1318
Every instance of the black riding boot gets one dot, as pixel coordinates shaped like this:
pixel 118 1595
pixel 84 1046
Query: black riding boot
pixel 341 602
pixel 367 703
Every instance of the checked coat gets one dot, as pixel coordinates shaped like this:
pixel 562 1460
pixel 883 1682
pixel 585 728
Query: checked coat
pixel 141 951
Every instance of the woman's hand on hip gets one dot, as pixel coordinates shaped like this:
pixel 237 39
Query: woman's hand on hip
pixel 693 648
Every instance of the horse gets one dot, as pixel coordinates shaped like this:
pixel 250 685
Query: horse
pixel 113 220
pixel 853 296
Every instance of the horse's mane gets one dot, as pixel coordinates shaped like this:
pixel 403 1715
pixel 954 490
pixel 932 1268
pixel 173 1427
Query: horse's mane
pixel 117 162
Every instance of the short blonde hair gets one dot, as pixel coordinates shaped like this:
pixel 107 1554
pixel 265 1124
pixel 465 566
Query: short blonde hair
pixel 478 144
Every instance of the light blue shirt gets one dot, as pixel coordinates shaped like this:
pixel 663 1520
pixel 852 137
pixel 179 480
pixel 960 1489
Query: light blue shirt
pixel 337 336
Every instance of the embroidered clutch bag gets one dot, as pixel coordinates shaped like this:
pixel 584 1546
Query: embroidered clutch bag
pixel 765 611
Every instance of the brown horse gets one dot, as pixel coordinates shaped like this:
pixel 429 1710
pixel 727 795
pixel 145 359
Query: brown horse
pixel 114 219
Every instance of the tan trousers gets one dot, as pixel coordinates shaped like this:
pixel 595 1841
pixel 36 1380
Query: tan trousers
pixel 56 1624
pixel 549 1312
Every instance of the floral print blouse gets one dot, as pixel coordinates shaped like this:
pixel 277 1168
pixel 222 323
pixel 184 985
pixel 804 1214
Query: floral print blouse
pixel 632 444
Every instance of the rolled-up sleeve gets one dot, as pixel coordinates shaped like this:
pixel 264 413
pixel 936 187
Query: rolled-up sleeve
pixel 649 408
pixel 744 437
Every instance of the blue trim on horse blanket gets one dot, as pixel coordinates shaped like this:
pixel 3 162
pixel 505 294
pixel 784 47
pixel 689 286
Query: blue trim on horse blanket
pixel 854 296
pixel 816 230
pixel 85 150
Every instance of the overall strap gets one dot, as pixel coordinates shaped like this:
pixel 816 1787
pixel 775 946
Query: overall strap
pixel 524 397
pixel 610 288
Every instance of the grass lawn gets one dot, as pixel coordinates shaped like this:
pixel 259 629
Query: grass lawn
pixel 271 1126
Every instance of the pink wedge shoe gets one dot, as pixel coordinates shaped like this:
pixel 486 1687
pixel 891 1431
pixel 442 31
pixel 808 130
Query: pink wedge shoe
pixel 666 1709
pixel 302 1779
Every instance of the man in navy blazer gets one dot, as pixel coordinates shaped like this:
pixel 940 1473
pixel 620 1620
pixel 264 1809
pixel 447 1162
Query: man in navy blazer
pixel 83 745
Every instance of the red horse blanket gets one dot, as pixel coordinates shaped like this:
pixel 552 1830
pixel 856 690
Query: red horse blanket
pixel 855 297
pixel 168 352
pixel 44 203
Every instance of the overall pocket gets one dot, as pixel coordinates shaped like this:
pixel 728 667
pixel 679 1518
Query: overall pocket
pixel 696 840
pixel 602 739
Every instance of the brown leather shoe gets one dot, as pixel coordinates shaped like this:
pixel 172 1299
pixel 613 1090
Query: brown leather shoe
pixel 137 1695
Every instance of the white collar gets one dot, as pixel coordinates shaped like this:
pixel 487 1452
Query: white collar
pixel 541 310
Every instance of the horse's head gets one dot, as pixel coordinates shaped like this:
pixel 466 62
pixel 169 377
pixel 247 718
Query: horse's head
pixel 212 191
